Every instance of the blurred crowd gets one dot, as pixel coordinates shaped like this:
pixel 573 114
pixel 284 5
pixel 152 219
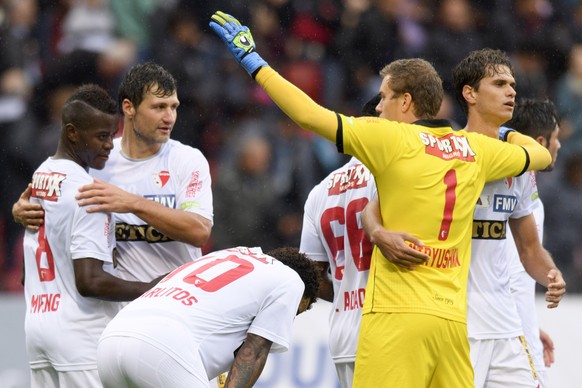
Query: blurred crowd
pixel 263 165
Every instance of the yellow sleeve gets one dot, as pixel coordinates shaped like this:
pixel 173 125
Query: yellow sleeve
pixel 539 156
pixel 297 105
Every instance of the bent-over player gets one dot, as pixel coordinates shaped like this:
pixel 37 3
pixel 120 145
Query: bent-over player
pixel 223 312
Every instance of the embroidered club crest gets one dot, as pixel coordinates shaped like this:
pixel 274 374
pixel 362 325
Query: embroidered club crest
pixel 161 178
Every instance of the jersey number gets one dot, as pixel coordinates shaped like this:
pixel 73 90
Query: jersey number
pixel 359 244
pixel 45 263
pixel 450 181
pixel 217 273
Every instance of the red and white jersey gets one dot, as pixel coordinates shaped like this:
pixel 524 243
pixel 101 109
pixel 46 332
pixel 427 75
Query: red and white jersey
pixel 62 327
pixel 178 177
pixel 492 311
pixel 523 288
pixel 214 302
pixel 332 232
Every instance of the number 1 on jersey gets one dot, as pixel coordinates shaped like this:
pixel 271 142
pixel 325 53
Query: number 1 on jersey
pixel 450 181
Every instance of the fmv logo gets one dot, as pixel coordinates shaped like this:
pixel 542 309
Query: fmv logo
pixel 168 200
pixel 504 203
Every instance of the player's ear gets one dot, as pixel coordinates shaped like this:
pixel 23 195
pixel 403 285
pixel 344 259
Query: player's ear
pixel 469 94
pixel 406 102
pixel 71 132
pixel 542 140
pixel 127 108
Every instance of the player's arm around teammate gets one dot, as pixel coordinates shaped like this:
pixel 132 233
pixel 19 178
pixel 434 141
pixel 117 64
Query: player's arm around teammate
pixel 104 197
pixel 392 244
pixel 28 214
pixel 179 225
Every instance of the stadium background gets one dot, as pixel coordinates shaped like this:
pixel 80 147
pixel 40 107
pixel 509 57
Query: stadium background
pixel 332 49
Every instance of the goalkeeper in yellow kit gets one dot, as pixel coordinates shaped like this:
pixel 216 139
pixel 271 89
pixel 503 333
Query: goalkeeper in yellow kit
pixel 429 178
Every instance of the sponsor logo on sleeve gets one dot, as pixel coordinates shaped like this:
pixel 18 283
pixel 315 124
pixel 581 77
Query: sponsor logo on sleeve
pixel 194 186
pixel 47 186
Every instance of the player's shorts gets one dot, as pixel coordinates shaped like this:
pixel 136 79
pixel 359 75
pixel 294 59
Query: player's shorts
pixel 345 373
pixel 50 378
pixel 412 350
pixel 543 378
pixel 131 362
pixel 500 363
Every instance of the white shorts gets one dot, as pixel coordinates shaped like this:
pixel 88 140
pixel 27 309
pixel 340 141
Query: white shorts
pixel 131 362
pixel 345 373
pixel 543 378
pixel 501 363
pixel 51 378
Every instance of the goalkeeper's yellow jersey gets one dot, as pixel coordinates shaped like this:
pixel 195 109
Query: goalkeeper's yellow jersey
pixel 429 178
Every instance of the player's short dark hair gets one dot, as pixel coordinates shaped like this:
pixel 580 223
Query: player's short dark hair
pixel 143 78
pixel 419 78
pixel 369 108
pixel 534 117
pixel 84 102
pixel 476 66
pixel 307 270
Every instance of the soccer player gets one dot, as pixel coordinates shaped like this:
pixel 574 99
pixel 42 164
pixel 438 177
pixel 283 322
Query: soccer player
pixel 538 119
pixel 332 236
pixel 428 177
pixel 485 87
pixel 158 189
pixel 224 311
pixel 68 280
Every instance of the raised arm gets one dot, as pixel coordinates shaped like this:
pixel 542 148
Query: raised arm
pixel 294 102
pixel 249 362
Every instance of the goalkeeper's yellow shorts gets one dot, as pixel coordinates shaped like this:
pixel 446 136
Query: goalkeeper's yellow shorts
pixel 412 350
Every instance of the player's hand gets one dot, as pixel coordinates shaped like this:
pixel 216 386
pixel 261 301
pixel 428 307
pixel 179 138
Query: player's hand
pixel 394 248
pixel 105 197
pixel 30 215
pixel 556 288
pixel 548 348
pixel 239 40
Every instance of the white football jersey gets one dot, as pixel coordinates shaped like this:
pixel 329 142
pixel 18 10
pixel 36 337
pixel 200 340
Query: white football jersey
pixel 332 232
pixel 213 302
pixel 523 288
pixel 491 309
pixel 62 327
pixel 178 177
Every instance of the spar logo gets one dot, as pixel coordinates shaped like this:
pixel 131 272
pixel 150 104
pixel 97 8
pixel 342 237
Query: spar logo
pixel 354 177
pixel 448 147
pixel 47 186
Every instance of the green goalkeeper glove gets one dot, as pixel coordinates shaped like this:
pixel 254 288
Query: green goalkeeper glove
pixel 239 41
